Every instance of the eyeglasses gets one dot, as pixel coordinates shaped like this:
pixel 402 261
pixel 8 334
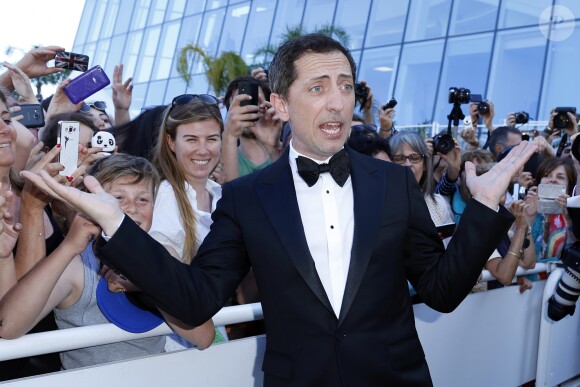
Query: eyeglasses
pixel 414 158
pixel 184 99
pixel 99 105
pixel 365 128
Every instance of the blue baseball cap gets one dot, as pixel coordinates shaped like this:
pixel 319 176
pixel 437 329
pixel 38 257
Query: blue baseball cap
pixel 125 312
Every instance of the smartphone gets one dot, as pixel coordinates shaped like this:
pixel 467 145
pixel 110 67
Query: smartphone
pixel 33 115
pixel 446 230
pixel 547 194
pixel 250 88
pixel 68 138
pixel 391 104
pixel 71 61
pixel 86 84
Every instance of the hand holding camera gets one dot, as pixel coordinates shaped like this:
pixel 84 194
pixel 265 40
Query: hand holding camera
pixel 240 117
pixel 363 94
pixel 564 118
pixel 386 113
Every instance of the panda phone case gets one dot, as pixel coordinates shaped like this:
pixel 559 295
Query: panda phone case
pixel 68 138
pixel 86 84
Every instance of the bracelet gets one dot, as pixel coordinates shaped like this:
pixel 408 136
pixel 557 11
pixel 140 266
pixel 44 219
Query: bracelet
pixel 514 254
pixel 32 233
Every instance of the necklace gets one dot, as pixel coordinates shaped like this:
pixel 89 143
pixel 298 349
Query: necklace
pixel 9 189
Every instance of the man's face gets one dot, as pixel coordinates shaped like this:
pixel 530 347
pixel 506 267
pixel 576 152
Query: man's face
pixel 319 104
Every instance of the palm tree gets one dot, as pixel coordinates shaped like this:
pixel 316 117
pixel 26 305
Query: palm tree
pixel 219 71
pixel 266 52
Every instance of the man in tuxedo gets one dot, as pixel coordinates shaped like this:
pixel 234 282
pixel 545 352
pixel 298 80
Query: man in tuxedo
pixel 332 237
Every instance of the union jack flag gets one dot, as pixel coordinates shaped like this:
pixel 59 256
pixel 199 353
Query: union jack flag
pixel 71 61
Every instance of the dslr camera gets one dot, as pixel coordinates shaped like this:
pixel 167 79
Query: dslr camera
pixel 482 106
pixel 443 143
pixel 561 119
pixel 522 117
pixel 459 95
pixel 361 94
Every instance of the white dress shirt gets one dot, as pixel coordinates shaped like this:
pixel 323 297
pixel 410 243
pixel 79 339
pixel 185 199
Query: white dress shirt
pixel 327 212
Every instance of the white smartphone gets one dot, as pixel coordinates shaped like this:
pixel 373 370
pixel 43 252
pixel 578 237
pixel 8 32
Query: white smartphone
pixel 68 138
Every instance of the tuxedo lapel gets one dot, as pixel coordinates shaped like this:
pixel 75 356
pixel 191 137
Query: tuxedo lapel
pixel 368 193
pixel 275 188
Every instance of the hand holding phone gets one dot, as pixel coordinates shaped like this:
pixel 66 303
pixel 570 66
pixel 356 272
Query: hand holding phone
pixel 32 115
pixel 86 84
pixel 68 138
pixel 71 61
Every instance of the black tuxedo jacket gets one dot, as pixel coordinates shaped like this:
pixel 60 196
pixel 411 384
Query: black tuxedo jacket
pixel 257 223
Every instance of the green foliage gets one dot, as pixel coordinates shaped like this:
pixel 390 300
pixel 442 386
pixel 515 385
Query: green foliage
pixel 263 55
pixel 219 71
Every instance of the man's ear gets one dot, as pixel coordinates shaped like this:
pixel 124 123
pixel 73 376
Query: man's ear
pixel 281 106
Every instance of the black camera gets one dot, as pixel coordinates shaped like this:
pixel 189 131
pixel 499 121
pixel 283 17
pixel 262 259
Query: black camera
pixel 391 104
pixel 522 117
pixel 443 143
pixel 459 95
pixel 482 106
pixel 561 119
pixel 361 94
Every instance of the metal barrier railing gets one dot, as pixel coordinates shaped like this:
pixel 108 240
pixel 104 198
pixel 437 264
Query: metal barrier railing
pixel 74 338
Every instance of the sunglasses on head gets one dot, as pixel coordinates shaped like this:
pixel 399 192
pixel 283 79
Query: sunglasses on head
pixel 99 105
pixel 184 99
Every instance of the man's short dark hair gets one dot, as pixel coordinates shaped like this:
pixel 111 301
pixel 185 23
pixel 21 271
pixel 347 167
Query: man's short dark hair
pixel 282 70
pixel 500 136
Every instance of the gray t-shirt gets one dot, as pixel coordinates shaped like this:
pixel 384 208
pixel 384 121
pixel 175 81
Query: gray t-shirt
pixel 86 312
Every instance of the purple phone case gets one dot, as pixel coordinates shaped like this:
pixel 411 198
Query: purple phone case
pixel 86 84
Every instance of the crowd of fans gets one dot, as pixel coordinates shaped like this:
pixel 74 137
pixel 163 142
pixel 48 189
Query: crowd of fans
pixel 167 174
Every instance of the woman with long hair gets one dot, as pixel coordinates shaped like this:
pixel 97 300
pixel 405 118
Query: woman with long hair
pixel 187 152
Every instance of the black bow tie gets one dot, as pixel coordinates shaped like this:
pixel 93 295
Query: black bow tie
pixel 338 167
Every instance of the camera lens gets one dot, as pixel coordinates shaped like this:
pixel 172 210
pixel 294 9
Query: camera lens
pixel 561 120
pixel 483 108
pixel 36 115
pixel 443 143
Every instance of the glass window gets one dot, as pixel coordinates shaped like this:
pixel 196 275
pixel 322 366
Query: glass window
pixel 417 81
pixel 156 93
pixel 466 64
pixel 138 101
pixel 140 14
pixel 175 87
pixel 234 27
pixel 353 18
pixel 194 7
pixel 147 55
pixel 124 18
pixel 561 76
pixel 131 52
pixel 110 19
pixel 115 54
pixel 90 50
pixel 176 9
pixel 166 51
pixel 386 23
pixel 470 16
pixel 199 85
pixel 157 13
pixel 97 20
pixel 213 4
pixel 516 71
pixel 85 23
pixel 572 5
pixel 288 15
pixel 258 29
pixel 317 14
pixel 101 53
pixel 516 13
pixel 377 68
pixel 428 19
pixel 188 35
pixel 211 30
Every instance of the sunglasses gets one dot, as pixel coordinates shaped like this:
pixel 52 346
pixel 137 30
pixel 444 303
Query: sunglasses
pixel 184 99
pixel 99 105
pixel 414 158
